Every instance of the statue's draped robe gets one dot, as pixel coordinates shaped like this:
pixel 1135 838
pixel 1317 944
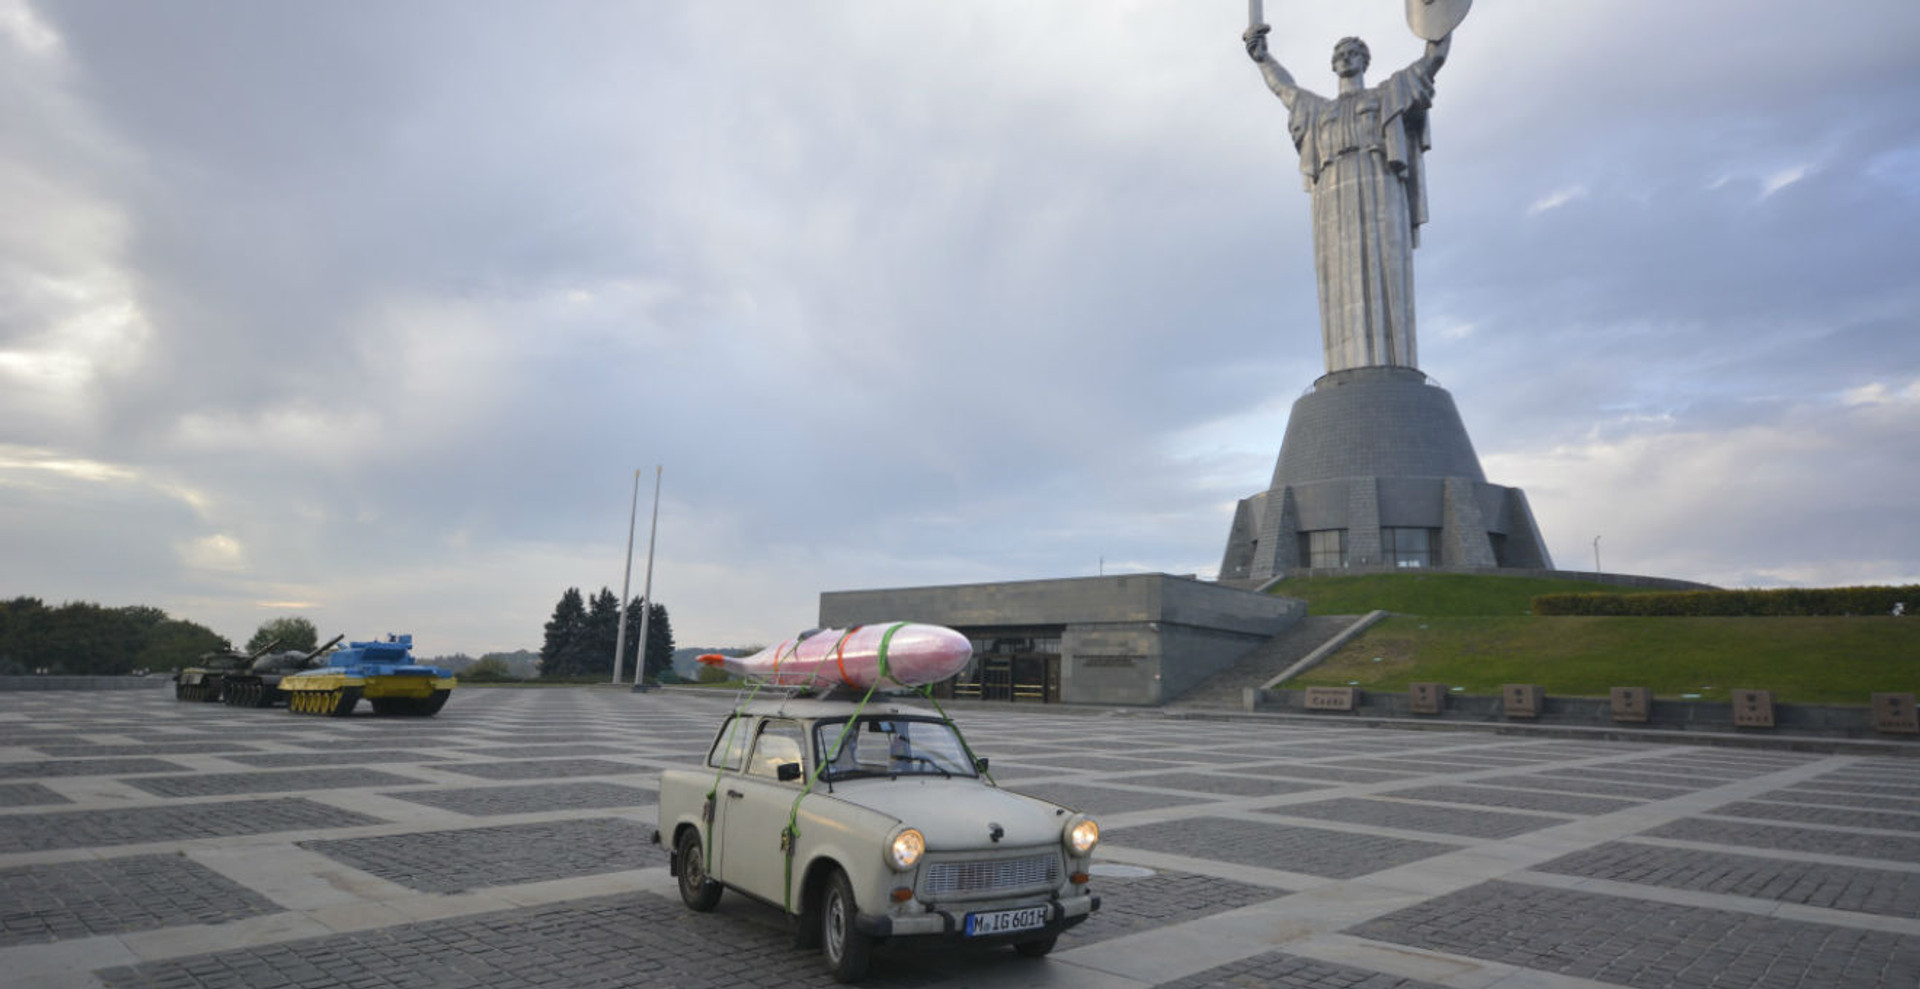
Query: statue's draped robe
pixel 1360 153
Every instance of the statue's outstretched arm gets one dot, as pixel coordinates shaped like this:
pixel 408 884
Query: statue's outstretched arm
pixel 1278 78
pixel 1436 55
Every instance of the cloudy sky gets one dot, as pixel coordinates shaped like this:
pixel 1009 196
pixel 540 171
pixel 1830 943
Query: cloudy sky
pixel 369 311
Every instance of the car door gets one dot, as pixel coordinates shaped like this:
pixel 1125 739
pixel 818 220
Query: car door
pixel 755 808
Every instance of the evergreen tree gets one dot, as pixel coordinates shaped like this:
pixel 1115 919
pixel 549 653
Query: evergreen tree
pixel 565 630
pixel 659 642
pixel 602 631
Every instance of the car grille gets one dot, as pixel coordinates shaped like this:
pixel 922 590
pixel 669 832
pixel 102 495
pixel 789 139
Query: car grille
pixel 990 876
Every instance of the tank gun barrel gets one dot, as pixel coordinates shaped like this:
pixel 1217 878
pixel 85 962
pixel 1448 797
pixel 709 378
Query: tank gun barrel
pixel 330 644
pixel 269 647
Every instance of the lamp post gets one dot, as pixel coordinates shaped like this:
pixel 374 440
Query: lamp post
pixel 646 599
pixel 620 637
pixel 1596 555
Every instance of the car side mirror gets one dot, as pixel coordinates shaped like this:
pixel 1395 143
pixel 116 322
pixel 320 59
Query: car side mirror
pixel 980 764
pixel 787 771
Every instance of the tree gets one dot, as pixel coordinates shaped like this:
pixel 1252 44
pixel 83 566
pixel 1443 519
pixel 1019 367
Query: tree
pixel 173 644
pixel 565 631
pixel 659 641
pixel 602 631
pixel 491 669
pixel 294 633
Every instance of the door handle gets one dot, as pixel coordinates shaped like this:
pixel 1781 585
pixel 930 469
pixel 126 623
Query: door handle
pixel 735 793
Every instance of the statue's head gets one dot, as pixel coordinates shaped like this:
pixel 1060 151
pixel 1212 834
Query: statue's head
pixel 1350 57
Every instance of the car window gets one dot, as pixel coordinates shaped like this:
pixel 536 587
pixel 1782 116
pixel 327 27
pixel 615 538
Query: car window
pixel 884 746
pixel 779 742
pixel 731 743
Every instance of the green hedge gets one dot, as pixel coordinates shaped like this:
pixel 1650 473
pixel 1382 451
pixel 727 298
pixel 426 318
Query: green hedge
pixel 1784 602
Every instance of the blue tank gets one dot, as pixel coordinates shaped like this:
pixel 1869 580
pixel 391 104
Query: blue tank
pixel 382 672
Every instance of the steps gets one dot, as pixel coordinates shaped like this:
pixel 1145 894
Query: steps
pixel 1263 662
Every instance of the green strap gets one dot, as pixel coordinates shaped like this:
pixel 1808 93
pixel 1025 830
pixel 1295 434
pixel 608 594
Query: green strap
pixel 926 690
pixel 706 840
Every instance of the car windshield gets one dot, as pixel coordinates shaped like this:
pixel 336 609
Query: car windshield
pixel 883 745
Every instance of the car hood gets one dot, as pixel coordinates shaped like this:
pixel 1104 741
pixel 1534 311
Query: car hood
pixel 957 815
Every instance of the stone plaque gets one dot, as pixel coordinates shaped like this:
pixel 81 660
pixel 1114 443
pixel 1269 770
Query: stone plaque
pixel 1427 698
pixel 1632 704
pixel 1522 700
pixel 1332 698
pixel 1753 708
pixel 1895 714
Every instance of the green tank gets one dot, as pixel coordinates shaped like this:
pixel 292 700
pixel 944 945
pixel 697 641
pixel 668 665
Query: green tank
pixel 259 684
pixel 206 679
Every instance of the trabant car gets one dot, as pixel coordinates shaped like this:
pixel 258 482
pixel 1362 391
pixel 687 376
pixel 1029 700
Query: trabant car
pixel 868 825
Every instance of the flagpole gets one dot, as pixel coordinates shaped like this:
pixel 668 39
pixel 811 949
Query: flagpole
pixel 620 638
pixel 646 599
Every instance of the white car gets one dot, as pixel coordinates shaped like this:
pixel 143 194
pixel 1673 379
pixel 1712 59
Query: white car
pixel 868 825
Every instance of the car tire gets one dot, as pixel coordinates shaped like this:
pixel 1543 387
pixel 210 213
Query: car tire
pixel 697 890
pixel 1036 949
pixel 847 950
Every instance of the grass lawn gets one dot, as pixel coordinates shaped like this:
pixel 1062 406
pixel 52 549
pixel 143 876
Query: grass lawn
pixel 1802 660
pixel 1430 594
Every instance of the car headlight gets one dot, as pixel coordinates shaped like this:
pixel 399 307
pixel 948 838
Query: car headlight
pixel 904 851
pixel 1082 835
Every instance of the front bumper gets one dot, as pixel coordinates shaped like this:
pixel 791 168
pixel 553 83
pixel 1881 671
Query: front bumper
pixel 1061 914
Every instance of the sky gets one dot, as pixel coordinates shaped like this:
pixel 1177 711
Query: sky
pixel 370 312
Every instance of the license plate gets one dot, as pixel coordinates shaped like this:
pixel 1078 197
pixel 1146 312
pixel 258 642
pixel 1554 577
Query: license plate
pixel 1006 921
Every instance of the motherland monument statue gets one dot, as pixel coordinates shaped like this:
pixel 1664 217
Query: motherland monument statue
pixel 1361 158
pixel 1376 470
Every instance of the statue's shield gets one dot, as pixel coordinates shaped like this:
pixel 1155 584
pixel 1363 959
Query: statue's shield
pixel 1435 19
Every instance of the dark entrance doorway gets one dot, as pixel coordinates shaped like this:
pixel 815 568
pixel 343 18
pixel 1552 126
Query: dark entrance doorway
pixel 1015 668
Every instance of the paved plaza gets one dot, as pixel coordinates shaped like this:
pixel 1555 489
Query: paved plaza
pixel 505 843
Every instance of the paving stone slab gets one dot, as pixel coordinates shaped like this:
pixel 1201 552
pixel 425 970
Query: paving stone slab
pixel 42 903
pixel 179 822
pixel 28 795
pixel 527 769
pixel 1831 785
pixel 1238 786
pixel 1292 848
pixel 1095 763
pixel 491 800
pixel 452 861
pixel 1885 892
pixel 86 767
pixel 227 784
pixel 1493 796
pixel 1842 798
pixel 1284 971
pixel 1648 944
pixel 288 760
pixel 549 751
pixel 1418 817
pixel 1129 905
pixel 1334 774
pixel 1577 785
pixel 150 748
pixel 1891 848
pixel 1687 783
pixel 1099 800
pixel 1811 814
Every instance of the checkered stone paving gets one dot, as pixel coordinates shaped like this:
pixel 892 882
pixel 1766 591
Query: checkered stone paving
pixel 1314 851
pixel 139 825
pixel 1493 796
pixel 1238 786
pixel 1846 817
pixel 1132 904
pixel 1892 848
pixel 1884 892
pixel 1418 817
pixel 86 767
pixel 1279 970
pixel 228 784
pixel 150 748
pixel 533 769
pixel 290 760
pixel 1099 800
pixel 40 903
pixel 493 800
pixel 1638 791
pixel 1646 944
pixel 28 795
pixel 453 861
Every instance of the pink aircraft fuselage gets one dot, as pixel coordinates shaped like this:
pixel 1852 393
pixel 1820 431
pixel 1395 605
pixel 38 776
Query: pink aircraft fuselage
pixel 901 653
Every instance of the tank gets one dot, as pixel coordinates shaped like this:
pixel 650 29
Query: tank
pixel 259 684
pixel 382 672
pixel 206 679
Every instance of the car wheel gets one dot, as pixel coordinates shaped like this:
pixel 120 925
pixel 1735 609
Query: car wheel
pixel 697 890
pixel 847 949
pixel 1036 949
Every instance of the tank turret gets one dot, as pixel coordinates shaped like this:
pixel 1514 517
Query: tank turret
pixel 381 671
pixel 206 679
